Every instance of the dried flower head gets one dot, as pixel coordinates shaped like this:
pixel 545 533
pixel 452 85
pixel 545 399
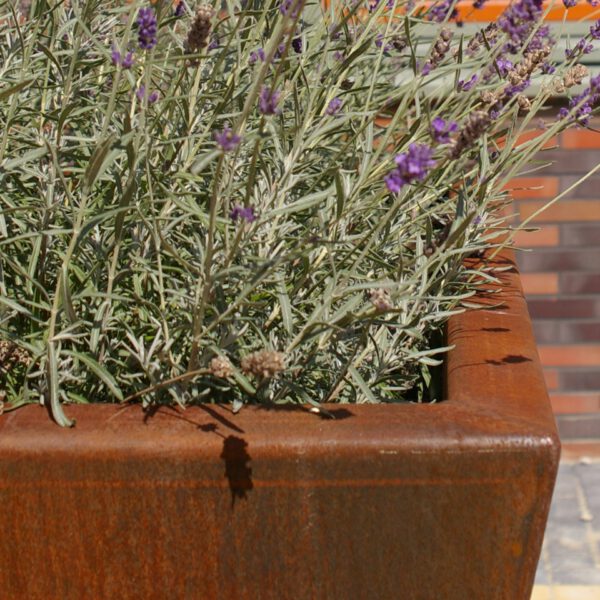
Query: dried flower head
pixel 575 76
pixel 523 102
pixel 475 125
pixel 488 36
pixel 220 366
pixel 263 364
pixel 381 300
pixel 12 355
pixel 199 33
pixel 440 49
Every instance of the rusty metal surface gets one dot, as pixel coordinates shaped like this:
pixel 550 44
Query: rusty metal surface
pixel 445 501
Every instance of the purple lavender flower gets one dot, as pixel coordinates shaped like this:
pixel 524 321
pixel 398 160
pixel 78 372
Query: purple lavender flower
pixel 142 95
pixel 333 107
pixel 583 103
pixel 297 45
pixel 227 139
pixel 380 43
pixel 339 56
pixel 243 213
pixel 513 90
pixel 581 47
pixel 280 50
pixel 478 4
pixel 569 3
pixel 519 20
pixel 503 65
pixel 547 68
pixel 595 30
pixel 214 43
pixel 127 62
pixel 268 100
pixel 256 55
pixel 115 56
pixel 593 2
pixel 117 59
pixel 291 8
pixel 465 86
pixel 412 165
pixel 426 69
pixel 442 11
pixel 180 9
pixel 441 130
pixel 147 28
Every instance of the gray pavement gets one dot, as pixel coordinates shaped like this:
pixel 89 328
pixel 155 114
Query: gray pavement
pixel 571 549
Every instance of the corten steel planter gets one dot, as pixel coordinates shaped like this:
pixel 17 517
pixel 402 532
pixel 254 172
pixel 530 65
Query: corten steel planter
pixel 433 502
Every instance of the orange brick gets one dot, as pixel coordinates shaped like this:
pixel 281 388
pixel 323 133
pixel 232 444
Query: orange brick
pixel 527 136
pixel 539 283
pixel 532 134
pixel 546 236
pixel 580 138
pixel 575 403
pixel 534 187
pixel 551 377
pixel 570 356
pixel 567 210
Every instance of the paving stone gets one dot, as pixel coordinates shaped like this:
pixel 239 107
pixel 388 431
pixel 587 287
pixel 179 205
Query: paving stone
pixel 571 551
pixel 569 592
pixel 589 475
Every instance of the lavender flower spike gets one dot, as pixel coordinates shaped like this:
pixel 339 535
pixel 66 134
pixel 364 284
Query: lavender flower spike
pixel 441 130
pixel 180 9
pixel 147 28
pixel 333 107
pixel 412 165
pixel 291 8
pixel 115 56
pixel 243 213
pixel 127 62
pixel 226 139
pixel 465 86
pixel 268 100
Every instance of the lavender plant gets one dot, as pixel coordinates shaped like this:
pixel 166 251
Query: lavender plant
pixel 254 201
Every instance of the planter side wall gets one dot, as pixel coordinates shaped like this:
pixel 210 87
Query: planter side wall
pixel 385 501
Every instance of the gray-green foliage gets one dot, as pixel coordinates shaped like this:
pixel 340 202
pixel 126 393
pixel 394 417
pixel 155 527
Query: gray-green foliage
pixel 121 270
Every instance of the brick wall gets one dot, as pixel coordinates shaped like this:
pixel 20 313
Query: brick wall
pixel 561 278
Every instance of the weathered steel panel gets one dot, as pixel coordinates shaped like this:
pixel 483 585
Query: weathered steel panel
pixel 446 501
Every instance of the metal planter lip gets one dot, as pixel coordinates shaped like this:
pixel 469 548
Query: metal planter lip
pixel 445 500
